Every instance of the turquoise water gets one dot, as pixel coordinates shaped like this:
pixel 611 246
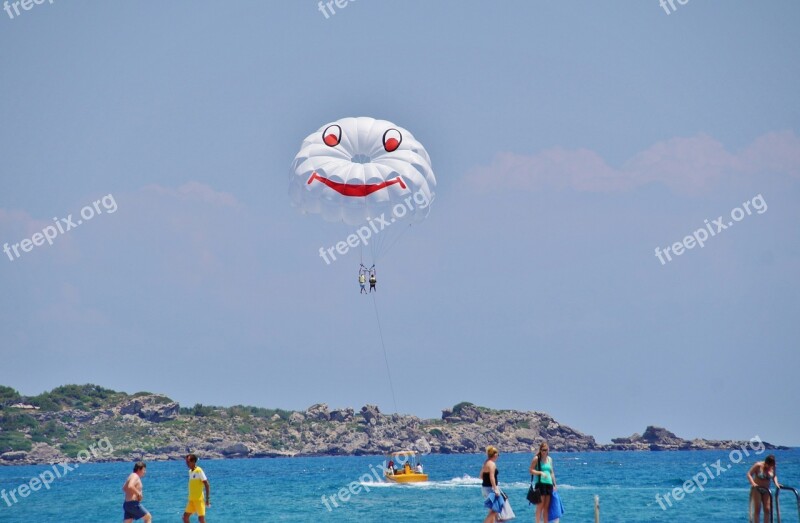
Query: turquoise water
pixel 260 490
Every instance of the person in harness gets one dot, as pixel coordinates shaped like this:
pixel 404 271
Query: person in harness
pixel 362 281
pixel 372 280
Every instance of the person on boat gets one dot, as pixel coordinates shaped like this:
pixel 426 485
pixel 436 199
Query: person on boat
pixel 542 466
pixel 418 469
pixel 372 281
pixel 489 479
pixel 407 469
pixel 390 468
pixel 760 475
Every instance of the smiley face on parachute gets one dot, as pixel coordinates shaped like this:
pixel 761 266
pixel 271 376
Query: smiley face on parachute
pixel 354 169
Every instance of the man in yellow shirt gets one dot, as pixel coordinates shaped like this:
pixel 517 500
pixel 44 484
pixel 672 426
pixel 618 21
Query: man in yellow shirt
pixel 197 482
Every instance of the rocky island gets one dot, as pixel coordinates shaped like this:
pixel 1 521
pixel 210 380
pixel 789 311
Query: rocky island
pixel 59 424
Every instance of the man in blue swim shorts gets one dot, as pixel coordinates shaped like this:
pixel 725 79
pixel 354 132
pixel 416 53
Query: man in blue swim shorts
pixel 132 488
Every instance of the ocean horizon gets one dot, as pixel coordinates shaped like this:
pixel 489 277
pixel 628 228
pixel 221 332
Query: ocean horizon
pixel 632 487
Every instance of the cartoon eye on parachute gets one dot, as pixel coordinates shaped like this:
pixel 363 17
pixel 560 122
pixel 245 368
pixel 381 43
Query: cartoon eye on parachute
pixel 369 174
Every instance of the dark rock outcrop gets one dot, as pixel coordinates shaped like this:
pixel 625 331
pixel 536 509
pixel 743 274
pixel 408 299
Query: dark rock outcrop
pixel 235 450
pixel 658 438
pixel 151 408
pixel 371 414
pixel 318 412
pixel 14 455
pixel 342 415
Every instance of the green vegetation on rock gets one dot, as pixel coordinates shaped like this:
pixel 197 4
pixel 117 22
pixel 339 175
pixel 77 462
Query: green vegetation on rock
pixel 8 396
pixel 51 432
pixel 199 410
pixel 13 441
pixel 82 397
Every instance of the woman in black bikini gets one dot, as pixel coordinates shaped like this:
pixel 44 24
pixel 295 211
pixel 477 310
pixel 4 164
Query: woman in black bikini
pixel 489 479
pixel 760 476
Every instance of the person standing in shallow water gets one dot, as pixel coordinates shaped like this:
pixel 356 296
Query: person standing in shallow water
pixel 197 482
pixel 760 475
pixel 542 466
pixel 132 507
pixel 488 475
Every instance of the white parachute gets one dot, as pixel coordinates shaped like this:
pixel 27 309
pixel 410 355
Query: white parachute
pixel 354 170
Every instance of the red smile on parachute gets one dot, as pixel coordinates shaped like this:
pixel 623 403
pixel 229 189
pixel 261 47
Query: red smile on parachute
pixel 354 189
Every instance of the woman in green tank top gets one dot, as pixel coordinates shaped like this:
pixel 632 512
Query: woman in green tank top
pixel 542 466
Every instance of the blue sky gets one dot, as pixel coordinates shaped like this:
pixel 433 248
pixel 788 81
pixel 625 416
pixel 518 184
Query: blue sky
pixel 569 140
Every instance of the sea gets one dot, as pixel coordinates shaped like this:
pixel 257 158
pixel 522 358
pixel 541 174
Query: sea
pixel 687 486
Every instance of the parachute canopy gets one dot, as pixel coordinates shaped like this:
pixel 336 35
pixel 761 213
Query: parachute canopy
pixel 354 170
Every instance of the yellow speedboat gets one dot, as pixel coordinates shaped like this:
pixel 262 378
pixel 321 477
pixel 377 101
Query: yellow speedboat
pixel 404 467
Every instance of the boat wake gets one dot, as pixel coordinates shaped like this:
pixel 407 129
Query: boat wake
pixel 465 481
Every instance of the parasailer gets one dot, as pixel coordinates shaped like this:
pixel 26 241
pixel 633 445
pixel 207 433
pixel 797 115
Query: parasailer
pixel 371 175
pixel 362 278
pixel 367 173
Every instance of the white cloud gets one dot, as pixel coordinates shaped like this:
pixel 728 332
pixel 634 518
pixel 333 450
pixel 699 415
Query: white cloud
pixel 685 165
pixel 196 191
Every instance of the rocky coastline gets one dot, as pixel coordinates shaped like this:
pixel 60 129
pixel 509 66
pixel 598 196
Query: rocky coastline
pixel 152 427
